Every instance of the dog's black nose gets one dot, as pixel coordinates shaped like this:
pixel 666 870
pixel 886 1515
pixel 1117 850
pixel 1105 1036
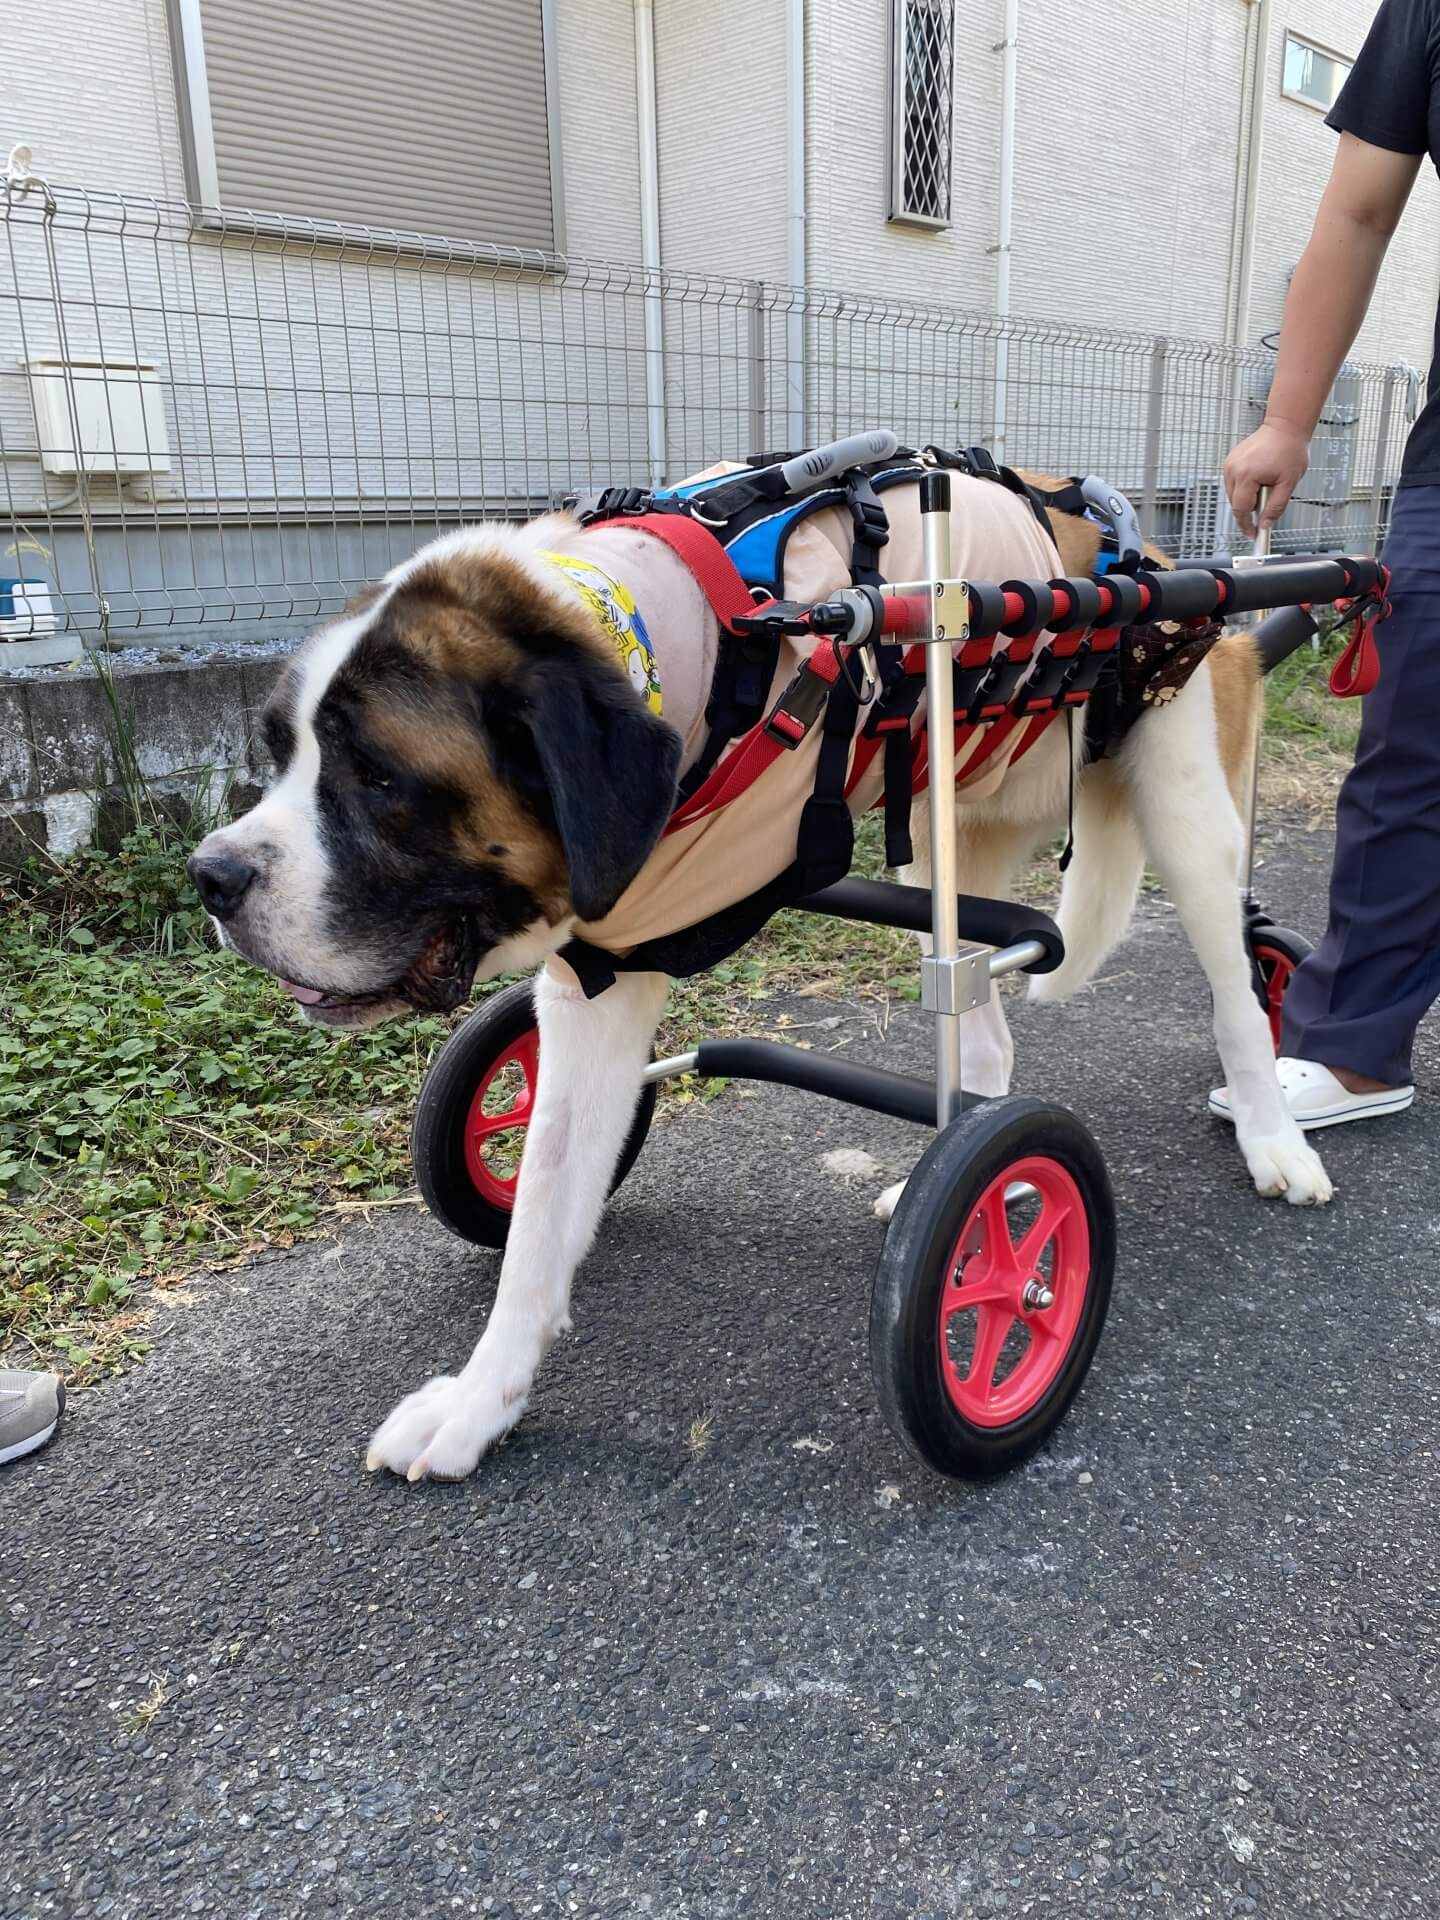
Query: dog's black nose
pixel 221 881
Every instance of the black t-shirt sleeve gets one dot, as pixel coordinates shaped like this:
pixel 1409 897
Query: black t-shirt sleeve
pixel 1386 100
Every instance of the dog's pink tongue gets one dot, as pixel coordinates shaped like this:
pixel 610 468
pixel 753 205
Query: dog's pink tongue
pixel 307 996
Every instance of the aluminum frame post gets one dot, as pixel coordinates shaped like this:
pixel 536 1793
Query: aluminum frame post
pixel 939 971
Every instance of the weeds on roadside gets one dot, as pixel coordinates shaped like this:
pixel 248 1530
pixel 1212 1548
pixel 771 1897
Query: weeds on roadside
pixel 161 1103
pixel 137 1718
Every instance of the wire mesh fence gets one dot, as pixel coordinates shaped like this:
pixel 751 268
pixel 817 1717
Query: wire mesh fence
pixel 210 422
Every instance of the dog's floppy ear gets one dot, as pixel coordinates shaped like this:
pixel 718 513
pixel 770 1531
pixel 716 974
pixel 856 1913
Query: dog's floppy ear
pixel 610 767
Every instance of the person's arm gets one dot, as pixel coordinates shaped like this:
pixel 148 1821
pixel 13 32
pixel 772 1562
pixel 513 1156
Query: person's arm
pixel 1324 309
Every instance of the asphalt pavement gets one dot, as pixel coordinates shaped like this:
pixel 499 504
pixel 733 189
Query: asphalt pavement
pixel 1184 1663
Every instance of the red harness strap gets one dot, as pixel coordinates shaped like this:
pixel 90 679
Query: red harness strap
pixel 758 750
pixel 729 599
pixel 719 580
pixel 717 575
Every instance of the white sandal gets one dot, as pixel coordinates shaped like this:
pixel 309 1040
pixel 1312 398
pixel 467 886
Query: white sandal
pixel 1317 1099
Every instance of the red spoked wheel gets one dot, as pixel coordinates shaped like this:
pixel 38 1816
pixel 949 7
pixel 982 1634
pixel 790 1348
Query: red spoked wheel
pixel 1019 1271
pixel 992 1286
pixel 499 1112
pixel 1275 955
pixel 469 1130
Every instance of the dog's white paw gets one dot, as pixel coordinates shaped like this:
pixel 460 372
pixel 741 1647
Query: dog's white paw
pixel 441 1430
pixel 887 1202
pixel 1289 1167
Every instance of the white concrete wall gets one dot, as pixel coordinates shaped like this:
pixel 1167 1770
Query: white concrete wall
pixel 287 377
pixel 1124 170
pixel 720 79
pixel 598 138
pixel 1129 120
pixel 90 88
pixel 851 244
pixel 1299 151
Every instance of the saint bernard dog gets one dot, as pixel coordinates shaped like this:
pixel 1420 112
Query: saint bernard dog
pixel 467 769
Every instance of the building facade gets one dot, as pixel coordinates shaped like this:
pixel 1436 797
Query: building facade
pixel 1034 223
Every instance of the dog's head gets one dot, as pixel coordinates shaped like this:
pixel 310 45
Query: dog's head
pixel 463 768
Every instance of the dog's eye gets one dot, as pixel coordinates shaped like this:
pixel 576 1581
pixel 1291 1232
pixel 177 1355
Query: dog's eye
pixel 371 778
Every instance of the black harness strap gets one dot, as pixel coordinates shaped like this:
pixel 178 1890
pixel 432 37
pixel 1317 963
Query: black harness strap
pixel 980 464
pixel 739 694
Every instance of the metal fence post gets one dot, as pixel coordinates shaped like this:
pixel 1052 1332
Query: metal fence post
pixel 1154 430
pixel 755 297
pixel 62 337
pixel 1382 447
pixel 796 316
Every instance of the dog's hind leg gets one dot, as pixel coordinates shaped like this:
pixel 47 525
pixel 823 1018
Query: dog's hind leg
pixel 1194 837
pixel 1097 896
pixel 592 1056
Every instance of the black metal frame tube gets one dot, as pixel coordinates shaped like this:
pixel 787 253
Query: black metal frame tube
pixel 993 923
pixel 1195 592
pixel 900 1095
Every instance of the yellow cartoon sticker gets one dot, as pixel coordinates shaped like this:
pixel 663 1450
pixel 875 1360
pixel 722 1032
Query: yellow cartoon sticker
pixel 614 607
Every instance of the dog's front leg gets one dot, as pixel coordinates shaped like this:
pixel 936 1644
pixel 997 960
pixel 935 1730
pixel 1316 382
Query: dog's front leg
pixel 592 1055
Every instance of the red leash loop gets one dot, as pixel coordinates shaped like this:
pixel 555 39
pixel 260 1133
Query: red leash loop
pixel 1357 671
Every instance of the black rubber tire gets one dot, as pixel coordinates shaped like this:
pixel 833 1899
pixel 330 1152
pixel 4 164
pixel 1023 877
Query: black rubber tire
pixel 913 1268
pixel 437 1135
pixel 1264 941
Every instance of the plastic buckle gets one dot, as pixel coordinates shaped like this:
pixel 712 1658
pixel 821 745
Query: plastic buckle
pixel 1089 665
pixel 1053 677
pixel 798 708
pixel 611 501
pixel 871 522
pixel 896 707
pixel 776 616
pixel 997 689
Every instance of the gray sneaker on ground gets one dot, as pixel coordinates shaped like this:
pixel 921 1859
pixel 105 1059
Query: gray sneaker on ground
pixel 30 1409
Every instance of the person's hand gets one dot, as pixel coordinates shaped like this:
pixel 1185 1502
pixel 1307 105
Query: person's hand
pixel 1274 456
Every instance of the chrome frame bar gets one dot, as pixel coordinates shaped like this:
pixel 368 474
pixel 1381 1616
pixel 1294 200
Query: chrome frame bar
pixel 670 1069
pixel 1259 553
pixel 938 968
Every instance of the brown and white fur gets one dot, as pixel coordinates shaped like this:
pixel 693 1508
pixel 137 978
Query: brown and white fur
pixel 462 774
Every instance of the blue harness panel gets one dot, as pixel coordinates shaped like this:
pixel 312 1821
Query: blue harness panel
pixel 757 549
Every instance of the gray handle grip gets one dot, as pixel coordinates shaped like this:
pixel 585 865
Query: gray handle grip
pixel 823 463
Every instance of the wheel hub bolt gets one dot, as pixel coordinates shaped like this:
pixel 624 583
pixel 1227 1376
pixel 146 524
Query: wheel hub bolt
pixel 1037 1296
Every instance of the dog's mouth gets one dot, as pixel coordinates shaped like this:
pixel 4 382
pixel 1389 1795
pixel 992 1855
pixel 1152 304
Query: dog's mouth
pixel 436 981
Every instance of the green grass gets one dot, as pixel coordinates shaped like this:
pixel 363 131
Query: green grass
pixel 162 1105
pixel 1310 735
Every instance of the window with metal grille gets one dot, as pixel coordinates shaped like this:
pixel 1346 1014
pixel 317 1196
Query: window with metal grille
pixel 922 89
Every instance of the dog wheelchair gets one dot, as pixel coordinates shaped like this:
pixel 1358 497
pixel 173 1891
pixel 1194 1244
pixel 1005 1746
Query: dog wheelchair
pixel 994 1278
